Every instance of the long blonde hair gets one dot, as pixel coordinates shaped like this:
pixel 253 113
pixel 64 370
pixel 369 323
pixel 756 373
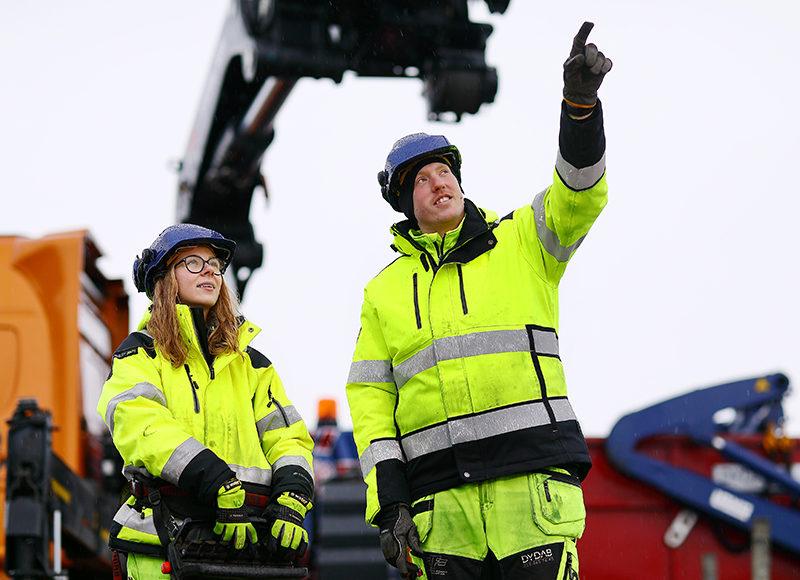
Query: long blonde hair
pixel 222 320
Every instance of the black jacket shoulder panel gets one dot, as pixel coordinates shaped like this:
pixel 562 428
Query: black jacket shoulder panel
pixel 133 342
pixel 259 360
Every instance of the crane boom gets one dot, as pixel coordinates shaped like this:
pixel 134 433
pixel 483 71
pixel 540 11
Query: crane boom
pixel 266 46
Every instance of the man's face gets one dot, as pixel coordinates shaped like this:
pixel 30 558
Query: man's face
pixel 438 201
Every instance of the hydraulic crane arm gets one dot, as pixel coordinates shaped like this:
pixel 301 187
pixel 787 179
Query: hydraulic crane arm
pixel 266 46
pixel 756 403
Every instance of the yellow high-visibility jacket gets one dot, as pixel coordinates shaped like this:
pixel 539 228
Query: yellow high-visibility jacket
pixel 456 375
pixel 200 424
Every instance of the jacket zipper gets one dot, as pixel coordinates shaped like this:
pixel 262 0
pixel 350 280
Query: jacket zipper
pixel 195 388
pixel 202 344
pixel 435 267
pixel 423 252
pixel 416 302
pixel 461 287
pixel 280 408
pixel 464 307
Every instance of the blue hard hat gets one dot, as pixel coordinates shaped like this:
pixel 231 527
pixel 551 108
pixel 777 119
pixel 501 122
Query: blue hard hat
pixel 409 152
pixel 152 264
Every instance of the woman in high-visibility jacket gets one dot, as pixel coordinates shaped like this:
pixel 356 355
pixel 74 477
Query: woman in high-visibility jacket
pixel 472 454
pixel 199 415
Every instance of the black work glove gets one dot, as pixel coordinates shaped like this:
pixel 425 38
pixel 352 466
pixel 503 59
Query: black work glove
pixel 584 71
pixel 288 539
pixel 398 533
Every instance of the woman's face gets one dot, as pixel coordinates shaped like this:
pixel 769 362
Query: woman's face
pixel 200 289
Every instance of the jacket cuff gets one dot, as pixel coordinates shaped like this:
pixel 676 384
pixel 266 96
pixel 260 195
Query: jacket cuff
pixel 582 143
pixel 292 478
pixel 204 475
pixel 392 485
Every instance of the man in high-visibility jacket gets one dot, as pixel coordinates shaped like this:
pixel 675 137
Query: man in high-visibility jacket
pixel 471 452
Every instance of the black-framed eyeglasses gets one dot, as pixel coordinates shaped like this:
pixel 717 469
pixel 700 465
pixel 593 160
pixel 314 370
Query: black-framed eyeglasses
pixel 195 264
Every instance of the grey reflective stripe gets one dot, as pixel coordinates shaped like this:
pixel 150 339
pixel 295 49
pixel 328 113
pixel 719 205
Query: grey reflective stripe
pixel 421 361
pixel 275 420
pixel 180 458
pixel 475 344
pixel 144 390
pixel 545 342
pixel 129 518
pixel 483 426
pixel 292 414
pixel 427 441
pixel 272 421
pixel 296 460
pixel 563 410
pixel 252 474
pixel 580 179
pixel 370 371
pixel 548 237
pixel 379 451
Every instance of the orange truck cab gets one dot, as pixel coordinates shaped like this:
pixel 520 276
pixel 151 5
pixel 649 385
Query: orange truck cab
pixel 60 319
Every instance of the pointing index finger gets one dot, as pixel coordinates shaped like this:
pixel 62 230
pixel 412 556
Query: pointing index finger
pixel 580 39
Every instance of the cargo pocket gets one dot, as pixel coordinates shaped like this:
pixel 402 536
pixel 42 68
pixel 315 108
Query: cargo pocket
pixel 422 512
pixel 557 501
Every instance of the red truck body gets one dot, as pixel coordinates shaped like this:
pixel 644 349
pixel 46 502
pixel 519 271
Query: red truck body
pixel 627 521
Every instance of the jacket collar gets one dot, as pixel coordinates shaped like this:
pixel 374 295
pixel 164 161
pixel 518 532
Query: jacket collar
pixel 475 238
pixel 189 329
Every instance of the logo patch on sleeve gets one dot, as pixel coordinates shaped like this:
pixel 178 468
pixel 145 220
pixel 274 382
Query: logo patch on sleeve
pixel 126 352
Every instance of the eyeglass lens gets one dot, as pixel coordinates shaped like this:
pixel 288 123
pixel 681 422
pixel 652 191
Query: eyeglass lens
pixel 195 264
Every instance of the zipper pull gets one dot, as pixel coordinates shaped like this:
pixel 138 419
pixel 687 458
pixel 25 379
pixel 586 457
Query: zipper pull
pixel 546 490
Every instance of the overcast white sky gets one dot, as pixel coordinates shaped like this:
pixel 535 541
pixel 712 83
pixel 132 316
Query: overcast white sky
pixel 689 278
